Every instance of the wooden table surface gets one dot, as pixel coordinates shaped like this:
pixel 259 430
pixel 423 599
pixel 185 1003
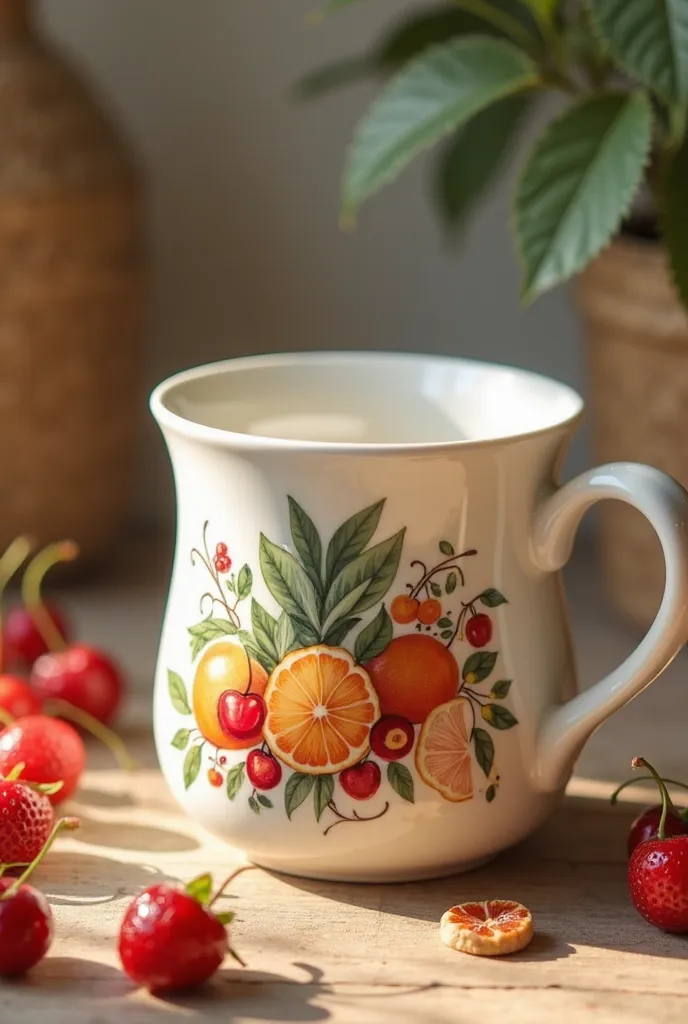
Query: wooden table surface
pixel 372 954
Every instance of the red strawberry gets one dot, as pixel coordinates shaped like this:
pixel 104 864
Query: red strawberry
pixel 17 698
pixel 171 939
pixel 48 748
pixel 26 818
pixel 658 871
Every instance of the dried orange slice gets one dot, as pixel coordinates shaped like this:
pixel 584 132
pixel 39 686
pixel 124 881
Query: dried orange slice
pixel 488 928
pixel 321 706
pixel 443 756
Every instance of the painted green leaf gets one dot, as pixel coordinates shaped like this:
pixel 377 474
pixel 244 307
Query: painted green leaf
pixel 254 805
pixel 177 692
pixel 200 888
pixel 339 631
pixel 675 217
pixel 446 548
pixel 365 580
pixel 484 749
pixel 436 93
pixel 649 39
pixel 305 634
pixel 288 582
pixel 231 584
pixel 577 185
pixel 235 779
pixel 208 630
pixel 263 800
pixel 374 637
pixel 322 794
pixel 297 789
pixel 479 665
pixel 181 739
pixel 307 542
pixel 497 716
pixel 446 634
pixel 285 637
pixel 192 765
pixel 444 623
pixel 225 917
pixel 491 598
pixel 401 780
pixel 436 590
pixel 264 630
pixel 244 582
pixel 255 651
pixel 350 538
pixel 452 580
pixel 490 794
pixel 501 689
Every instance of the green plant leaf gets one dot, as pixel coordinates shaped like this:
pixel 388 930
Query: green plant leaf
pixel 264 801
pixel 446 634
pixel 374 637
pixel 307 542
pixel 304 633
pixel 255 651
pixel 444 623
pixel 649 39
pixel 473 156
pixel 192 765
pixel 254 805
pixel 200 888
pixel 578 184
pixel 296 790
pixel 436 93
pixel 365 580
pixel 492 598
pixel 349 540
pixel 497 716
pixel 401 780
pixel 264 630
pixel 484 750
pixel 479 665
pixel 208 630
pixel 235 779
pixel 446 548
pixel 490 794
pixel 181 739
pixel 322 794
pixel 450 585
pixel 436 590
pixel 177 692
pixel 244 582
pixel 288 582
pixel 674 217
pixel 338 632
pixel 285 637
pixel 500 690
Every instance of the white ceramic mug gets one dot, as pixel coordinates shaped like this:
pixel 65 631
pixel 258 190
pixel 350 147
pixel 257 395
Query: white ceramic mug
pixel 365 670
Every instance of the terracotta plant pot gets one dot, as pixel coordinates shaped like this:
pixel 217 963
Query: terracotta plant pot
pixel 638 367
pixel 71 300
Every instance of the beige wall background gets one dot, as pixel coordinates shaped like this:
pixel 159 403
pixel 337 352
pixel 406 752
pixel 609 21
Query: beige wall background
pixel 243 189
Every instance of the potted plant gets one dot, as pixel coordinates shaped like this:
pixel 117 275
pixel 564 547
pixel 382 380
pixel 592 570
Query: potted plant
pixel 464 75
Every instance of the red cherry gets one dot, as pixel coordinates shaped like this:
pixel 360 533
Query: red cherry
pixel 264 770
pixel 84 677
pixel 241 714
pixel 221 549
pixel 26 928
pixel 392 736
pixel 361 781
pixel 479 630
pixel 223 563
pixel 22 640
pixel 646 825
pixel 50 750
pixel 223 760
pixel 17 698
pixel 26 820
pixel 214 777
pixel 169 940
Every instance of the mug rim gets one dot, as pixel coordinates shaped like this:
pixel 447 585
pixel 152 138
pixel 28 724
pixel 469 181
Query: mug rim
pixel 192 429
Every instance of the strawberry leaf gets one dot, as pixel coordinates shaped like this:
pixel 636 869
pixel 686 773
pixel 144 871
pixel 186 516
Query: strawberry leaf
pixel 200 888
pixel 225 917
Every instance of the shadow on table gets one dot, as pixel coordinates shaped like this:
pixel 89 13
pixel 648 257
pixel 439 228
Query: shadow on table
pixel 71 878
pixel 132 836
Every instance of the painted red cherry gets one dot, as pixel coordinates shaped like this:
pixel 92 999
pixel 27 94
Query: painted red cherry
pixel 361 781
pixel 84 677
pixel 264 770
pixel 214 777
pixel 241 715
pixel 479 630
pixel 391 738
pixel 17 698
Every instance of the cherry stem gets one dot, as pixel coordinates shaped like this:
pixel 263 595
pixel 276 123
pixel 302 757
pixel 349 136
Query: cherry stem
pixel 53 554
pixel 644 778
pixel 448 563
pixel 62 825
pixel 341 818
pixel 109 738
pixel 229 879
pixel 640 762
pixel 15 555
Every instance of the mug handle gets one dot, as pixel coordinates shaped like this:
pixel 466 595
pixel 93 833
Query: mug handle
pixel 565 727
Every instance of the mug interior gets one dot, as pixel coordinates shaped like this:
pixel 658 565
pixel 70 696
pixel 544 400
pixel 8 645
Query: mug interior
pixel 365 399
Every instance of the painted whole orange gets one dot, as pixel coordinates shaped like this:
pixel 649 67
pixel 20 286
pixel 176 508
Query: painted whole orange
pixel 224 666
pixel 413 675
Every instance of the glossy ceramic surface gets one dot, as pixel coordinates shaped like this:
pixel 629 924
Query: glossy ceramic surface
pixel 365 669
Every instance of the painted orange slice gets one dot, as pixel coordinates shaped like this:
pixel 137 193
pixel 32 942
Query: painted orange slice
pixel 321 706
pixel 443 756
pixel 488 928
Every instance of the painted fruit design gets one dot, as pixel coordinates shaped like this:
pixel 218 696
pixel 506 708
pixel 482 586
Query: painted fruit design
pixel 329 699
